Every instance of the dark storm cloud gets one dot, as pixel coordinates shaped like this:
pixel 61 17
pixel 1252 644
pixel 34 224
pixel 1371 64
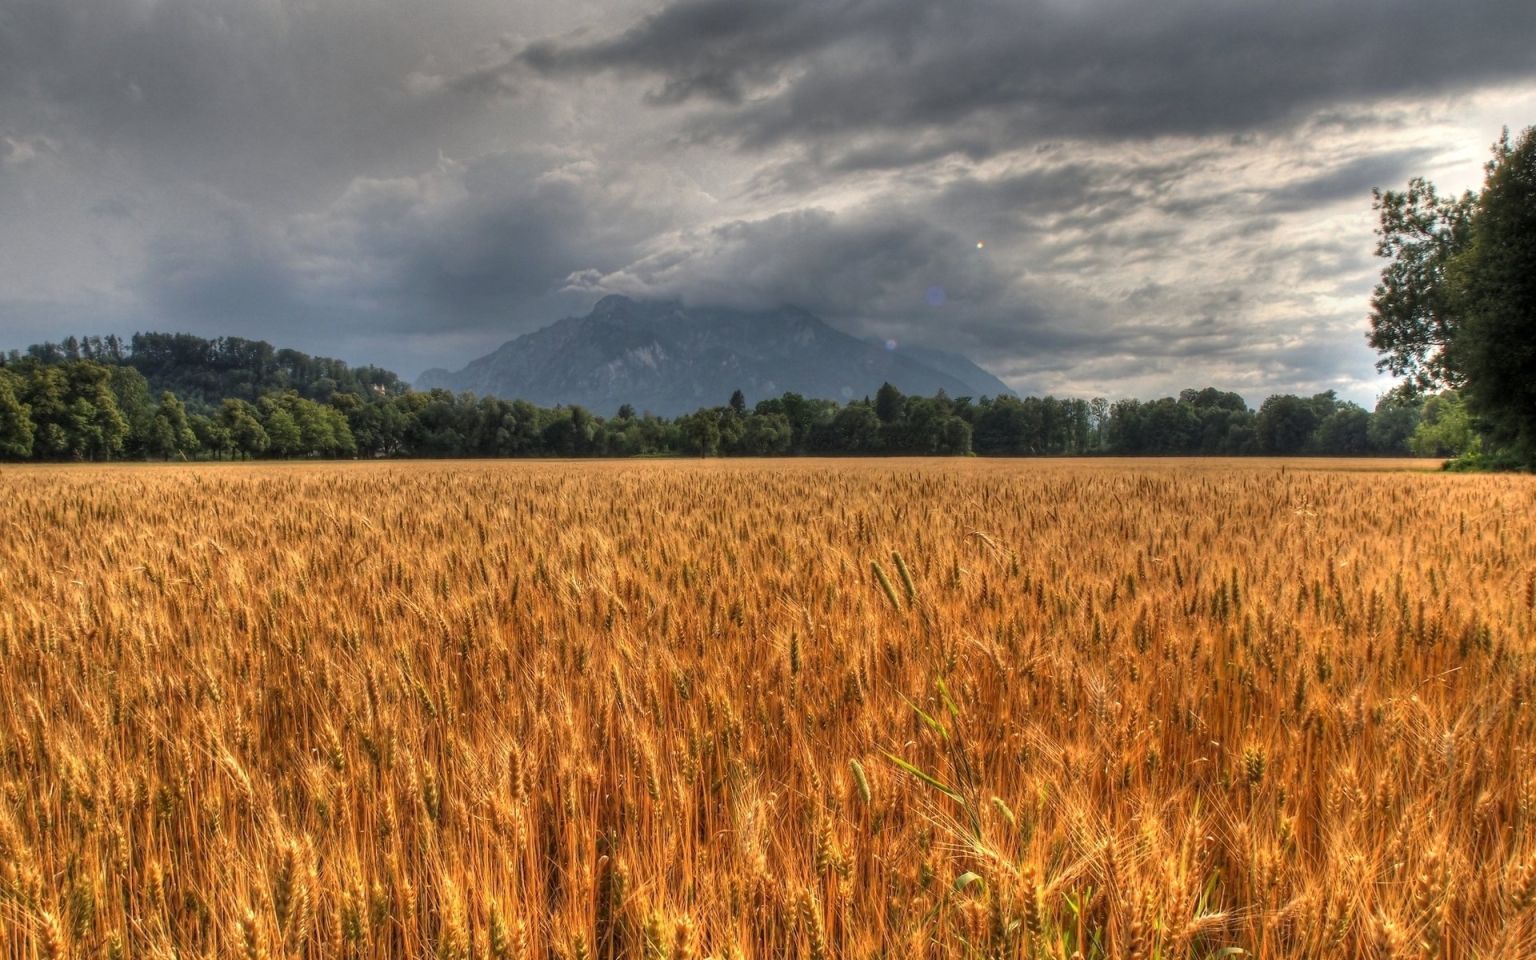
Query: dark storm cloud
pixel 465 248
pixel 715 51
pixel 1355 179
pixel 1006 72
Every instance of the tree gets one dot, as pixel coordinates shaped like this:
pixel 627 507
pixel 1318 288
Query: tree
pixel 283 436
pixel 136 404
pixel 170 433
pixel 322 428
pixel 1120 430
pixel 1226 423
pixel 1212 399
pixel 15 419
pixel 1001 426
pixel 212 435
pixel 109 428
pixel 703 432
pixel 46 395
pixel 1456 306
pixel 247 436
pixel 583 429
pixel 1413 315
pixel 1285 424
pixel 738 403
pixel 1345 432
pixel 888 403
pixel 767 435
pixel 1170 428
pixel 1444 429
pixel 856 429
pixel 1392 423
pixel 956 438
pixel 920 430
pixel 1495 288
pixel 1098 414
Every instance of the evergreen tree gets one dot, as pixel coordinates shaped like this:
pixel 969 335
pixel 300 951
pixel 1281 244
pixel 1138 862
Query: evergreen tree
pixel 888 403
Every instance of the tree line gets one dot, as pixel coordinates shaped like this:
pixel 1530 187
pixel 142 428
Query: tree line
pixel 181 397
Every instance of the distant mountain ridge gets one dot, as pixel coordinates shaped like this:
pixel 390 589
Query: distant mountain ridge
pixel 662 357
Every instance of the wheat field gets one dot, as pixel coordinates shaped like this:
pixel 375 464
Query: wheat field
pixel 818 709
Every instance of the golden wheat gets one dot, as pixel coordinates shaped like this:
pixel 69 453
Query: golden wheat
pixel 1116 709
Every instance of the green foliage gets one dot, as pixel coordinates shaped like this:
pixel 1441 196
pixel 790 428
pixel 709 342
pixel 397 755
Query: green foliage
pixel 856 429
pixel 283 436
pixel 212 436
pixel 1444 429
pixel 53 408
pixel 1285 425
pixel 1413 317
pixel 247 437
pixel 170 433
pixel 1497 462
pixel 1030 426
pixel 1495 287
pixel 1345 432
pixel 767 435
pixel 1456 305
pixel 72 410
pixel 15 419
pixel 137 406
pixel 703 432
pixel 204 372
pixel 1392 423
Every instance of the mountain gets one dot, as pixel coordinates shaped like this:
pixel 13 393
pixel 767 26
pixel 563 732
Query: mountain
pixel 962 368
pixel 669 359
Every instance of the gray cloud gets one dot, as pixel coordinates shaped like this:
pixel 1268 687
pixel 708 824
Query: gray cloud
pixel 843 266
pixel 272 101
pixel 464 249
pixel 1164 193
pixel 710 51
pixel 1001 72
pixel 1352 180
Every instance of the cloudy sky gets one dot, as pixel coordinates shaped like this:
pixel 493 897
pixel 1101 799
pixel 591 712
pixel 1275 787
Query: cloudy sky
pixel 1089 197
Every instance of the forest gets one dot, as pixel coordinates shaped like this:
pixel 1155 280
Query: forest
pixel 177 396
